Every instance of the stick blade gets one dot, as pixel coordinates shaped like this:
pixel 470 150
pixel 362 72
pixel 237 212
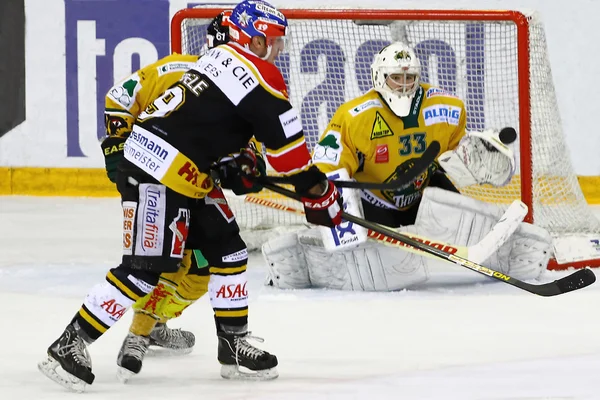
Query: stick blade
pixel 577 280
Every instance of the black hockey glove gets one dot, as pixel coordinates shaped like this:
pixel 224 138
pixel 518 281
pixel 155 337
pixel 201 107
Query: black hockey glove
pixel 236 174
pixel 112 148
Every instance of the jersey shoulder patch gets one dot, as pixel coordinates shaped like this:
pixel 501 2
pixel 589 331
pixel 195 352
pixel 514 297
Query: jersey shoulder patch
pixel 175 63
pixel 434 92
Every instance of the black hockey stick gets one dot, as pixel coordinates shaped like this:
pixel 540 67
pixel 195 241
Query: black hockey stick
pixel 577 280
pixel 405 178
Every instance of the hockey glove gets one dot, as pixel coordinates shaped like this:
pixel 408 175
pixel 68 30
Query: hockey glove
pixel 326 209
pixel 112 147
pixel 237 173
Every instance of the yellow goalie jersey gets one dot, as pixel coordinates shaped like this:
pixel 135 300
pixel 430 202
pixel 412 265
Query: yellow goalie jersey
pixel 128 98
pixel 373 144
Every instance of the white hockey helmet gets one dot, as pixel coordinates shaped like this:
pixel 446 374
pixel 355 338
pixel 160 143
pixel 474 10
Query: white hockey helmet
pixel 399 60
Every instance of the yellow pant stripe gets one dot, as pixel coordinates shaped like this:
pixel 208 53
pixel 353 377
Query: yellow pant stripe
pixel 227 271
pixel 90 320
pixel 232 313
pixel 113 279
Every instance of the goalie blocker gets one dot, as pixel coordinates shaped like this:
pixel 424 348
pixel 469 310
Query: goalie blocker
pixel 299 259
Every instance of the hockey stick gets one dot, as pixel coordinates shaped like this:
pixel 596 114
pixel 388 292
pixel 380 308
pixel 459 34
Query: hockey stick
pixel 478 252
pixel 404 178
pixel 574 281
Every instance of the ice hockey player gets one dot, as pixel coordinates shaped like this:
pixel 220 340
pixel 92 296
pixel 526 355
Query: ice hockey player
pixel 124 102
pixel 232 93
pixel 372 138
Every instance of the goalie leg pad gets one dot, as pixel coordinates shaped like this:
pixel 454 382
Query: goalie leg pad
pixel 300 261
pixel 286 263
pixel 464 221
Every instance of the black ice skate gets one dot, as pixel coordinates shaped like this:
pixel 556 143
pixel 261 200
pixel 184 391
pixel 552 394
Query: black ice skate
pixel 241 360
pixel 174 341
pixel 69 352
pixel 131 356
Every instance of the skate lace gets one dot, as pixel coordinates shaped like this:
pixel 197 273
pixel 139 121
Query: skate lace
pixel 169 334
pixel 246 349
pixel 135 346
pixel 78 351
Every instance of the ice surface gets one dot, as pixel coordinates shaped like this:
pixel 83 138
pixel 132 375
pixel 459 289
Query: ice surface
pixel 470 341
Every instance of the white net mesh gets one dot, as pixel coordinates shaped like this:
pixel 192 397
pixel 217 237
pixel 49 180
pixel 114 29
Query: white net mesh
pixel 328 62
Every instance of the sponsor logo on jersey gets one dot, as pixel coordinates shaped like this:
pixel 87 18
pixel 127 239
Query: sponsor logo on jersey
pixel 380 128
pixel 179 226
pixel 433 92
pixel 176 66
pixel 290 122
pixel 329 149
pixel 149 152
pixel 140 284
pixel 114 309
pixel 382 154
pixel 441 113
pixel 365 106
pixel 151 220
pixel 235 292
pixel 236 257
pixel 124 93
pixel 225 68
pixel 129 208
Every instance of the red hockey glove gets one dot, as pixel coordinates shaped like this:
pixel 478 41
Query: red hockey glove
pixel 325 209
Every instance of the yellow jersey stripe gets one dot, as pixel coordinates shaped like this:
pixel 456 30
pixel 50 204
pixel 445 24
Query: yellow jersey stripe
pixel 128 292
pixel 92 321
pixel 227 271
pixel 232 313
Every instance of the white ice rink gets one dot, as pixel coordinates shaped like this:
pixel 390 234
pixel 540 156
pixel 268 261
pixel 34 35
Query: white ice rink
pixel 476 341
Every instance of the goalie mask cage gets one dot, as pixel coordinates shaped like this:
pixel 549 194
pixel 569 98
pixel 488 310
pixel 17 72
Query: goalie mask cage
pixel 496 61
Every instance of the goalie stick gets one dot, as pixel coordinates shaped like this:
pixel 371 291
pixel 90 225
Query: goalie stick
pixel 574 281
pixel 404 178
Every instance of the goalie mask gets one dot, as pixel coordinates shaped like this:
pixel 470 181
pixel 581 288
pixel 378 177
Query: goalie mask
pixel 395 74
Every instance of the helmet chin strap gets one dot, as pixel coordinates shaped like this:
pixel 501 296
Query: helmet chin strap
pixel 269 49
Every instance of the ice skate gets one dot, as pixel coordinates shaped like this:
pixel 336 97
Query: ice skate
pixel 172 341
pixel 241 360
pixel 68 362
pixel 131 356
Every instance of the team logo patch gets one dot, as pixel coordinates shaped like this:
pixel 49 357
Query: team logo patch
pixel 380 128
pixel 329 149
pixel 179 226
pixel 125 92
pixel 382 154
pixel 441 113
pixel 365 106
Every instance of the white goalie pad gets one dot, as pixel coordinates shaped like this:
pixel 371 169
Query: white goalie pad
pixel 301 261
pixel 479 158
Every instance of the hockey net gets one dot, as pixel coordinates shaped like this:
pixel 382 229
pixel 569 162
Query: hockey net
pixel 496 61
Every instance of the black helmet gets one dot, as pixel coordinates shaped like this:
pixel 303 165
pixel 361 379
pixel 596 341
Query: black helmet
pixel 217 32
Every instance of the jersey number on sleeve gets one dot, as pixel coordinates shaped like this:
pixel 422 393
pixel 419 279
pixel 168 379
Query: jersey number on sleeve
pixel 163 105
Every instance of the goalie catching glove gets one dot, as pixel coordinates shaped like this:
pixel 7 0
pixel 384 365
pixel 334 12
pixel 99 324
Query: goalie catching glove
pixel 237 173
pixel 480 158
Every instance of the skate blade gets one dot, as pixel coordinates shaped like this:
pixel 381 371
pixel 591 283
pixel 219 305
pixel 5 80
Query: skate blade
pixel 159 351
pixel 124 375
pixel 71 382
pixel 235 372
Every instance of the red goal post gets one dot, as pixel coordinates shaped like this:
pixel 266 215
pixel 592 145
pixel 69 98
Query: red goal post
pixel 495 60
